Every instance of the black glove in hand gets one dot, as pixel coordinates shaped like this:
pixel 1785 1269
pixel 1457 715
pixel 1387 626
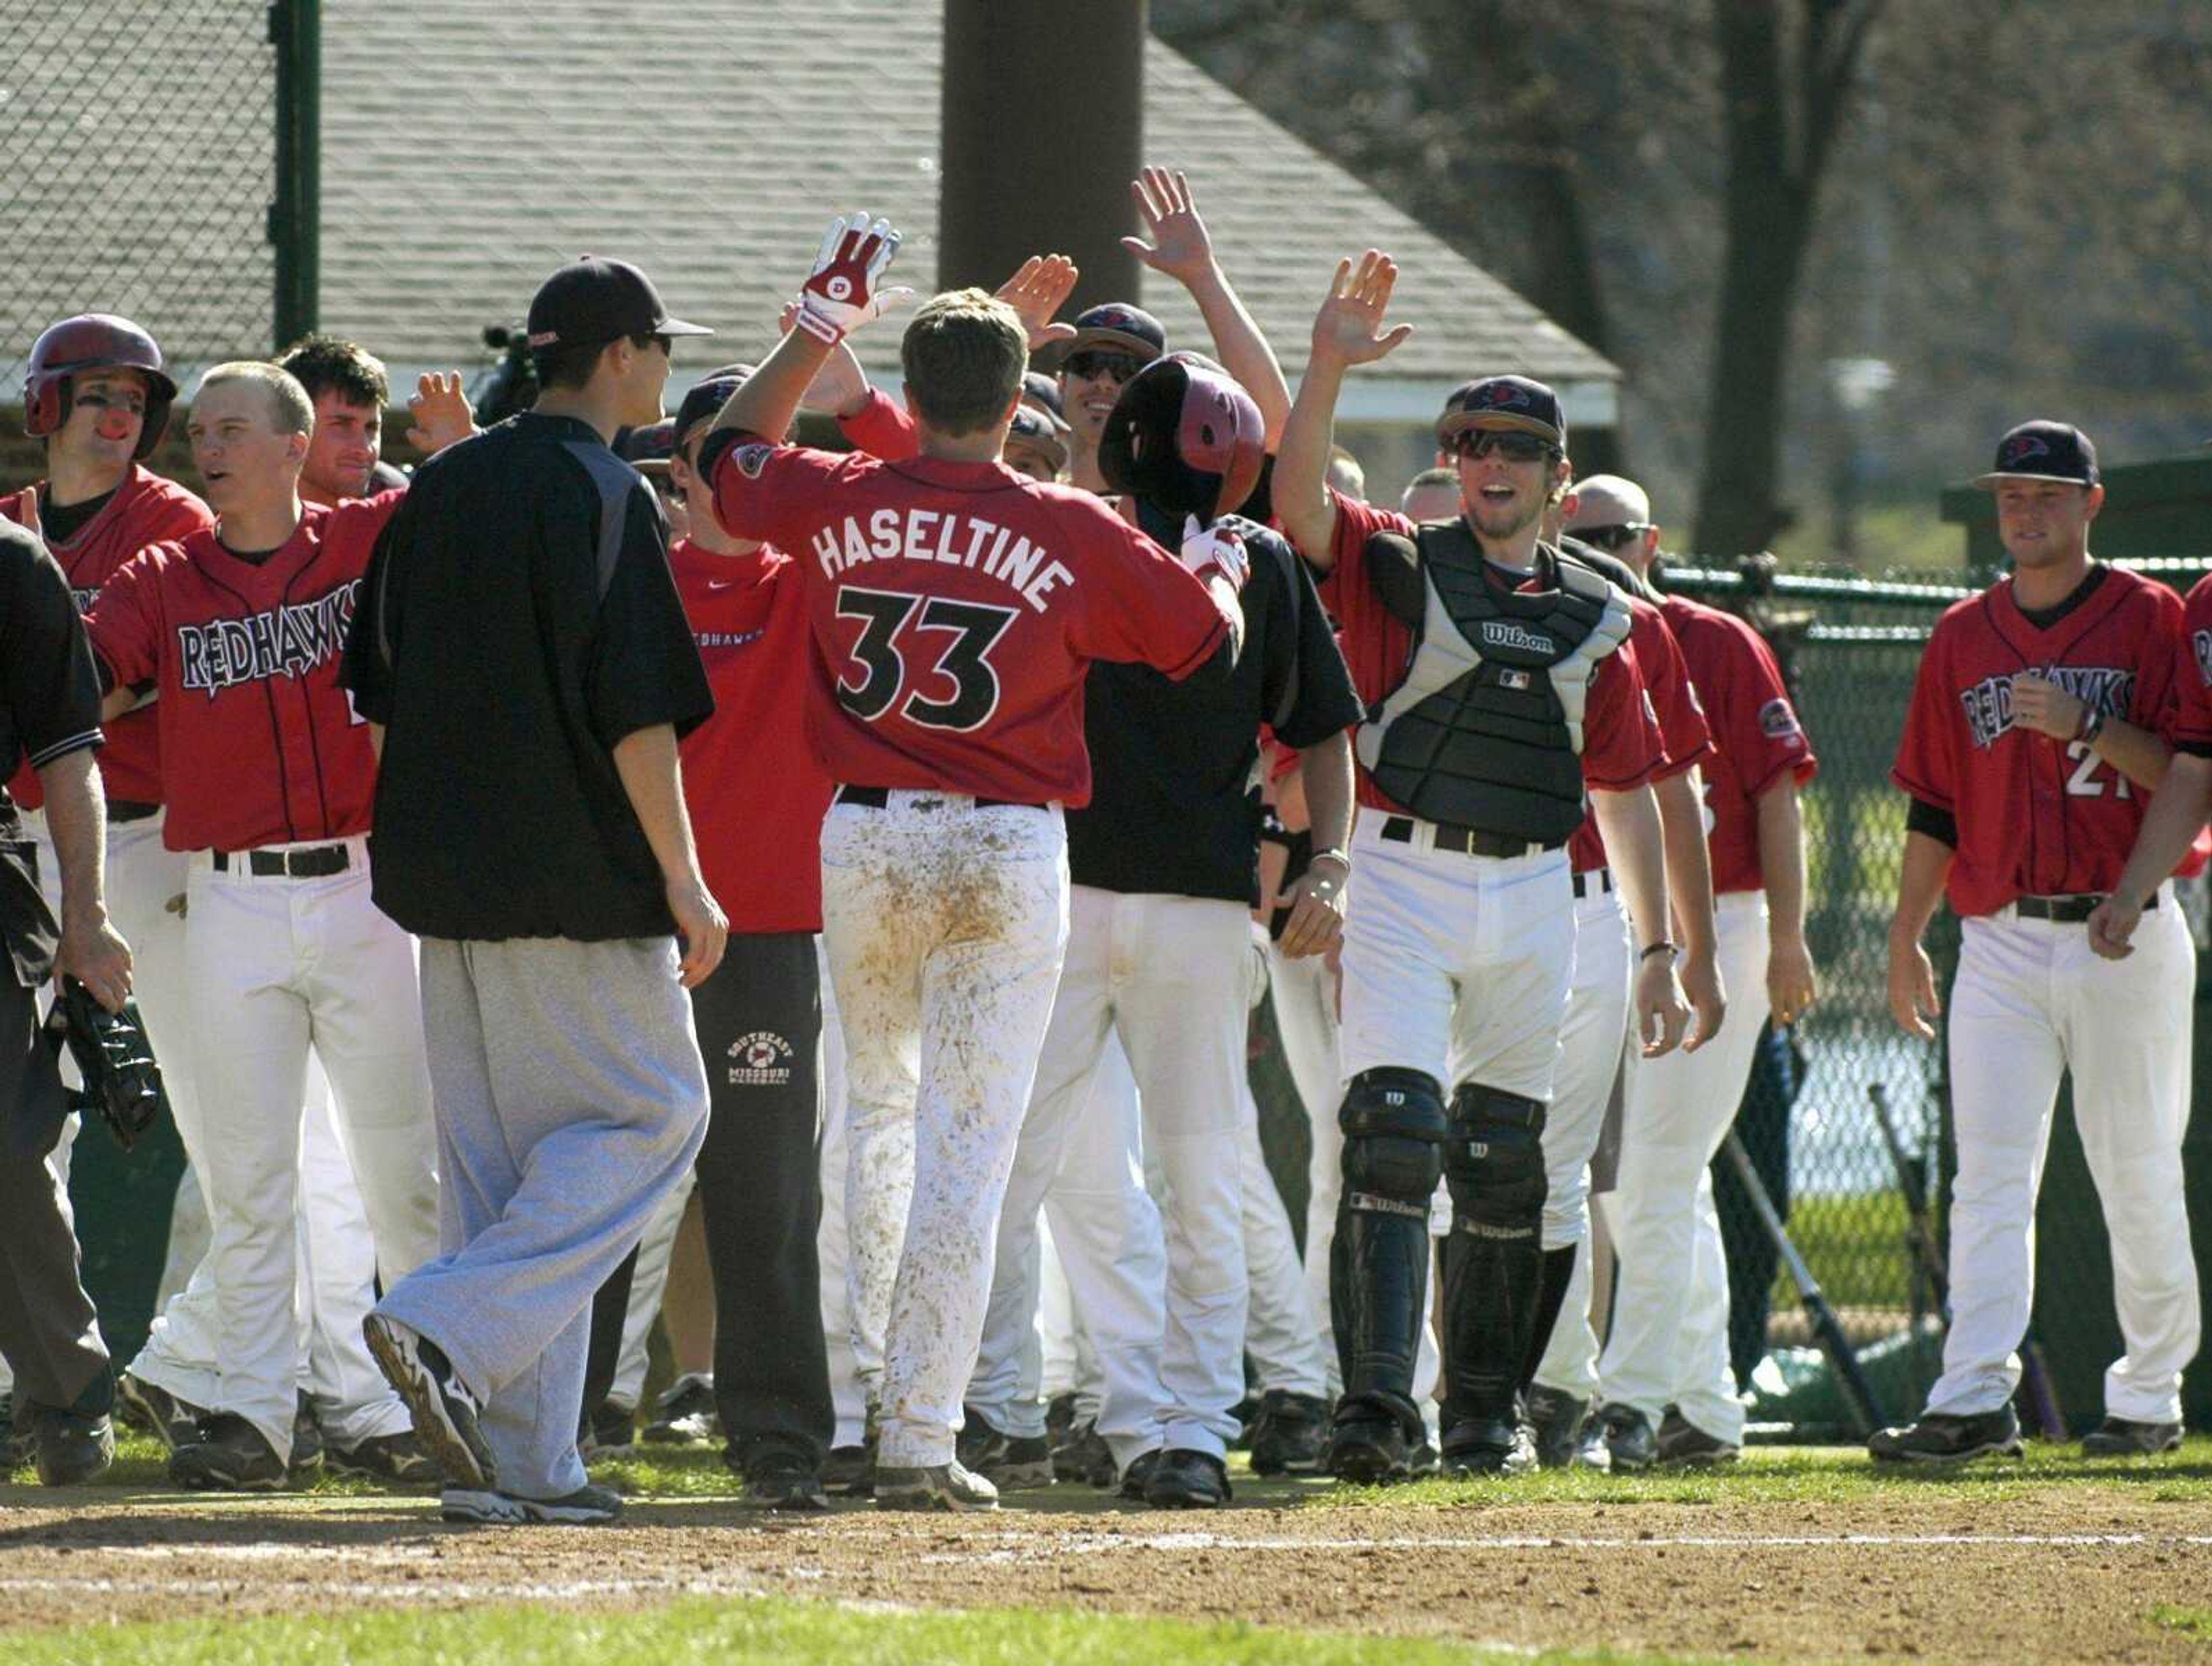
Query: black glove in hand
pixel 122 1082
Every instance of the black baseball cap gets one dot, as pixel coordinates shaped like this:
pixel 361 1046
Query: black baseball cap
pixel 1040 432
pixel 1118 327
pixel 594 299
pixel 1041 390
pixel 704 402
pixel 2044 451
pixel 647 449
pixel 1512 403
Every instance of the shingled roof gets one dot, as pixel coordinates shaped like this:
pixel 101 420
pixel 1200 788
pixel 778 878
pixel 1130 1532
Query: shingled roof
pixel 468 152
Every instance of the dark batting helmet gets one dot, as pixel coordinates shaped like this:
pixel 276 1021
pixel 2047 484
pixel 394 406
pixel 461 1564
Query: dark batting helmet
pixel 1184 437
pixel 94 341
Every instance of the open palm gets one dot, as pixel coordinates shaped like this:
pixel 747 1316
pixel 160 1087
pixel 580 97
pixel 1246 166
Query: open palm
pixel 1349 325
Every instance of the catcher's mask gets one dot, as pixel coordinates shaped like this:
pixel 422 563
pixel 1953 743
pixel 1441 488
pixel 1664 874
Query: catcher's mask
pixel 94 341
pixel 1184 438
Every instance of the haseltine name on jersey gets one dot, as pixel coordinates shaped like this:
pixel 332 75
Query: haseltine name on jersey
pixel 924 535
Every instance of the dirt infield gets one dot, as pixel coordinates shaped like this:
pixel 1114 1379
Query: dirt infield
pixel 2027 1573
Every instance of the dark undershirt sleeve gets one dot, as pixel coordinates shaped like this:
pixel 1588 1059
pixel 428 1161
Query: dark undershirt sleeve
pixel 1923 817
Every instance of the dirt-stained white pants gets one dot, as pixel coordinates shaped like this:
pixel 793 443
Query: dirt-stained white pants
pixel 945 924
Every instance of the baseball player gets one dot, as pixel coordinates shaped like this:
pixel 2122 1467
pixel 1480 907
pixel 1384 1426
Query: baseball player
pixel 96 394
pixel 1498 680
pixel 1668 1389
pixel 2035 737
pixel 237 629
pixel 955 606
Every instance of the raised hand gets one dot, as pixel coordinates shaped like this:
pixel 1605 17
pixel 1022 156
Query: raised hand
pixel 840 387
pixel 1038 289
pixel 846 288
pixel 1349 326
pixel 440 413
pixel 1181 246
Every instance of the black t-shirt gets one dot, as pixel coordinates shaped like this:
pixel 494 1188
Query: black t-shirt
pixel 49 708
pixel 63 525
pixel 518 618
pixel 1175 802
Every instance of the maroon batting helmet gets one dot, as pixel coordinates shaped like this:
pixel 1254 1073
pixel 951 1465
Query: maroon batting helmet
pixel 1185 437
pixel 94 341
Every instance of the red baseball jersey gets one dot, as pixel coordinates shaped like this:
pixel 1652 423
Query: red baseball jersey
pixel 146 509
pixel 2038 816
pixel 262 745
pixel 2192 721
pixel 756 795
pixel 881 427
pixel 1756 736
pixel 1684 738
pixel 1621 744
pixel 955 609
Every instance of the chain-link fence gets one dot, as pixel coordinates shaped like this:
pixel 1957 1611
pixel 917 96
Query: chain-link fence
pixel 137 146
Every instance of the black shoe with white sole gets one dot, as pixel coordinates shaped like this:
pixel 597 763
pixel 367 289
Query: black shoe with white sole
pixel 587 1506
pixel 227 1454
pixel 397 1460
pixel 444 1410
pixel 933 1486
pixel 1186 1479
pixel 2123 1437
pixel 149 1406
pixel 1682 1443
pixel 70 1448
pixel 1290 1436
pixel 1010 1463
pixel 1941 1438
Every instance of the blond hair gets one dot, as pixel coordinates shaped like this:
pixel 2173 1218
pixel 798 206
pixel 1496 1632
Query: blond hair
pixel 290 411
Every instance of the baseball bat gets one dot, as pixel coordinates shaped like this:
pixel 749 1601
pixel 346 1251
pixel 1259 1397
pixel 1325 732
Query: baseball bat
pixel 1858 1393
pixel 2035 1378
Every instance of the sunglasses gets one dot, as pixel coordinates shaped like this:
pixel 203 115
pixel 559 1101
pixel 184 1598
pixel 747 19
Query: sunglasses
pixel 1090 365
pixel 1512 447
pixel 1612 539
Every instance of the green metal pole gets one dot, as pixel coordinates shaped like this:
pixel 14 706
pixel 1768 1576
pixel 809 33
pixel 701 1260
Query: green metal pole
pixel 295 217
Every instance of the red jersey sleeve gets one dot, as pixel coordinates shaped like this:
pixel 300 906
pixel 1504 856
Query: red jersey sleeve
pixel 2161 684
pixel 2192 720
pixel 1762 734
pixel 1152 611
pixel 772 493
pixel 1684 736
pixel 125 622
pixel 1621 744
pixel 881 427
pixel 1927 766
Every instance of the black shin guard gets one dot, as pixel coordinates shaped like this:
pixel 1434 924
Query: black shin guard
pixel 1550 1297
pixel 1394 1125
pixel 1493 1260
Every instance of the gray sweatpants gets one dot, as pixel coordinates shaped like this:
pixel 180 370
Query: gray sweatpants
pixel 570 1098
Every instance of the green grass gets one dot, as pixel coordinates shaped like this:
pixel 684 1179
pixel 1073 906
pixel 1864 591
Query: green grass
pixel 729 1633
pixel 1856 1247
pixel 2190 1621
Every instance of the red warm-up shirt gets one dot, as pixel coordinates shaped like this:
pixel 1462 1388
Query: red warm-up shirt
pixel 1684 739
pixel 2039 816
pixel 146 509
pixel 261 746
pixel 1621 744
pixel 956 607
pixel 756 795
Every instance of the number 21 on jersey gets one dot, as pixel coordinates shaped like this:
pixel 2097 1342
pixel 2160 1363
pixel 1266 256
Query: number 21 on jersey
pixel 2083 782
pixel 948 683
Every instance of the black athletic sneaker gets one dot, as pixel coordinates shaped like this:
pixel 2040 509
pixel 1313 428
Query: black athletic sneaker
pixel 1370 1451
pixel 609 1432
pixel 849 1471
pixel 2122 1437
pixel 1682 1443
pixel 780 1479
pixel 587 1506
pixel 1291 1434
pixel 1630 1444
pixel 1085 1457
pixel 1555 1425
pixel 933 1487
pixel 1184 1479
pixel 1940 1438
pixel 397 1460
pixel 1060 1417
pixel 1010 1463
pixel 69 1447
pixel 227 1454
pixel 307 1449
pixel 444 1410
pixel 170 1420
pixel 685 1415
pixel 1487 1446
pixel 1138 1476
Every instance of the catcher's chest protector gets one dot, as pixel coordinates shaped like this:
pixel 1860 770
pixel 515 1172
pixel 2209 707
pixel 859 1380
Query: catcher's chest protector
pixel 1486 728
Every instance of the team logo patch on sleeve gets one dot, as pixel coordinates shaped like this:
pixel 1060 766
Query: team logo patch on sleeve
pixel 2202 642
pixel 751 459
pixel 1777 721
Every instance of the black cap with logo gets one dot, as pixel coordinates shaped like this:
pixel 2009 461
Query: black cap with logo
pixel 1118 327
pixel 2044 451
pixel 1512 403
pixel 595 300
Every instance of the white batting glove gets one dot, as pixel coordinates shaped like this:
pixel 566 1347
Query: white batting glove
pixel 846 288
pixel 1215 548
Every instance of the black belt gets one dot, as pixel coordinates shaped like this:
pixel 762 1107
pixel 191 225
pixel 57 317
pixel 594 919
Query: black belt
pixel 318 861
pixel 1465 841
pixel 2065 911
pixel 120 810
pixel 876 798
pixel 1598 880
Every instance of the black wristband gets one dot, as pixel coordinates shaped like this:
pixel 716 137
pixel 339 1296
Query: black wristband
pixel 1663 947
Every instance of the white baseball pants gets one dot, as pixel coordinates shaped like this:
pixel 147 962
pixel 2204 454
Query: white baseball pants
pixel 277 966
pixel 945 926
pixel 847 1396
pixel 2031 999
pixel 1670 1305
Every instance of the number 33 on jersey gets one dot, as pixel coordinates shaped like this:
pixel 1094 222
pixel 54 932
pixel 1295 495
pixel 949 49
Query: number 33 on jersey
pixel 2039 816
pixel 955 607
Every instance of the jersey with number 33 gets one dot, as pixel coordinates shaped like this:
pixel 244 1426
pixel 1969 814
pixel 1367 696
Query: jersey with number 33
pixel 955 607
pixel 2038 816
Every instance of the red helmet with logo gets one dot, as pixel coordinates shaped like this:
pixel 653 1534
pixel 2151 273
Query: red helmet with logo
pixel 94 341
pixel 1185 437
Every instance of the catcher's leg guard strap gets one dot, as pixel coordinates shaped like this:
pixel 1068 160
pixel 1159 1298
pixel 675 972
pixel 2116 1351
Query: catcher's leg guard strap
pixel 1551 1296
pixel 1393 1126
pixel 1493 1260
